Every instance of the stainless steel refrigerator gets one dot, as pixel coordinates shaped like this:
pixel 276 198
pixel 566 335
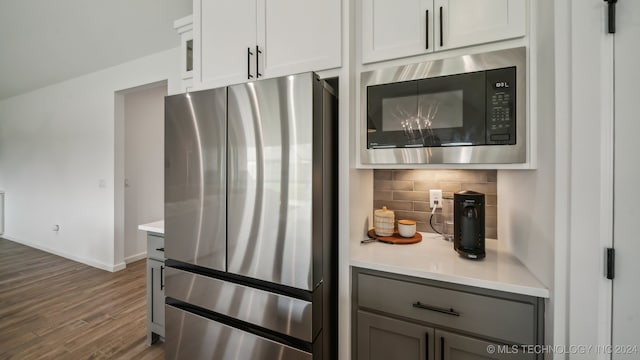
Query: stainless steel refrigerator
pixel 251 221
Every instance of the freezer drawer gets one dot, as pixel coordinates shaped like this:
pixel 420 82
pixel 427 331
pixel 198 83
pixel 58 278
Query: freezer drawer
pixel 280 313
pixel 190 336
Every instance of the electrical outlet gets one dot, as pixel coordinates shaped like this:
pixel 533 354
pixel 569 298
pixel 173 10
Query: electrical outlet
pixel 435 196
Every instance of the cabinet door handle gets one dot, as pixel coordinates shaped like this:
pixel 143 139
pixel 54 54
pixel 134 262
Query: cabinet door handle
pixel 161 277
pixel 160 249
pixel 152 285
pixel 426 29
pixel 258 52
pixel 441 347
pixel 249 54
pixel 449 311
pixel 426 346
pixel 441 27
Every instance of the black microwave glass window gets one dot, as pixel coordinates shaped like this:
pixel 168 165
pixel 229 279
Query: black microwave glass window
pixel 440 111
pixel 425 111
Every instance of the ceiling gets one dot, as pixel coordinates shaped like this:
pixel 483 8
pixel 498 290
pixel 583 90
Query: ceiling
pixel 43 42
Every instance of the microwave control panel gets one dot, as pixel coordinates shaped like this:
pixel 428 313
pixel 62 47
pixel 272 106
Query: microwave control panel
pixel 501 106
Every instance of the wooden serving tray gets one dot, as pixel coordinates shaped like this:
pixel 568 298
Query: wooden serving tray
pixel 395 238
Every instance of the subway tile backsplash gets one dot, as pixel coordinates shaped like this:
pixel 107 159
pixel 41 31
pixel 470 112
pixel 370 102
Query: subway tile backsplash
pixel 406 192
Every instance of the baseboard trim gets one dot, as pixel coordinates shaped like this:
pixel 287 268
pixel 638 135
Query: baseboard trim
pixel 90 262
pixel 136 257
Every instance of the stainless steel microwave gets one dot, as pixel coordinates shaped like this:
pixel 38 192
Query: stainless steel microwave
pixel 469 109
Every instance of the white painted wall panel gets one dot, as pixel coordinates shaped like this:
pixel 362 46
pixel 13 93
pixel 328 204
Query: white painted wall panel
pixel 526 199
pixel 144 166
pixel 57 149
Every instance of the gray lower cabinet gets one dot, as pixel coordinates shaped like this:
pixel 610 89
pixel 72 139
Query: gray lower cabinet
pixel 452 346
pixel 383 338
pixel 155 288
pixel 401 317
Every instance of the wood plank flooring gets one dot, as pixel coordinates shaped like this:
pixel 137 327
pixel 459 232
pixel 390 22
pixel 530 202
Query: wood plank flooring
pixel 54 308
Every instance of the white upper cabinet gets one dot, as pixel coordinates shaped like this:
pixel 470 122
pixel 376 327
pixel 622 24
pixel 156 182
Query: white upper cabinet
pixel 300 36
pixel 224 33
pixel 470 22
pixel 396 28
pixel 399 28
pixel 184 27
pixel 242 40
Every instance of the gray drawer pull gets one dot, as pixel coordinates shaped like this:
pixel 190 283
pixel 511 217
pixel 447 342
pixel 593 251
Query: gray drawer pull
pixel 160 249
pixel 419 305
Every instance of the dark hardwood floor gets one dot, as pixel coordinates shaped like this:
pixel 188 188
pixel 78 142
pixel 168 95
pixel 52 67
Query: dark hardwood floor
pixel 54 308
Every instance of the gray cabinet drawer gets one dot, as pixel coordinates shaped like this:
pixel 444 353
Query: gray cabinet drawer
pixel 155 247
pixel 488 316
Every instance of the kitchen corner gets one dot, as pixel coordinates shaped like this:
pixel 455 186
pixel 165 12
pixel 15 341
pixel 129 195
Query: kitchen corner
pixel 434 258
pixel 436 302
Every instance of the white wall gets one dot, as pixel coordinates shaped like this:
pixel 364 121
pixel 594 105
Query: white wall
pixel 558 217
pixel 57 164
pixel 562 66
pixel 526 199
pixel 144 165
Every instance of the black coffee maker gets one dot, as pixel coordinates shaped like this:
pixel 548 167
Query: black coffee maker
pixel 468 224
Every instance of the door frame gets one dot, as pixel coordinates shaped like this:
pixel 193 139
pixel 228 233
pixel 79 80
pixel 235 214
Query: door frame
pixel 119 168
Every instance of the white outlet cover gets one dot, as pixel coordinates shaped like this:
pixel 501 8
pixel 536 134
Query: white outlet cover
pixel 435 194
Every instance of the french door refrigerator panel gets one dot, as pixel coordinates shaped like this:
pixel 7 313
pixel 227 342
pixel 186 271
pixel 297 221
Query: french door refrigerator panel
pixel 195 178
pixel 270 177
pixel 250 218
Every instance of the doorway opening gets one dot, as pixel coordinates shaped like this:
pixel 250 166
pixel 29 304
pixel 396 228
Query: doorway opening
pixel 139 167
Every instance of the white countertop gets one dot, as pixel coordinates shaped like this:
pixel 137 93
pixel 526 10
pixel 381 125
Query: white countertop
pixel 434 258
pixel 154 227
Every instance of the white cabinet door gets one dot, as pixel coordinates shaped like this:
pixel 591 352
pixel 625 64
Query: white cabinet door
pixel 399 28
pixel 243 40
pixel 224 31
pixel 298 36
pixel 396 28
pixel 469 22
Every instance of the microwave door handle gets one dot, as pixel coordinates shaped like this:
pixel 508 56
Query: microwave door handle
pixel 383 146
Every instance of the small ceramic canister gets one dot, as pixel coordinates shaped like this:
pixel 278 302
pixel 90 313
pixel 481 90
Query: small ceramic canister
pixel 406 228
pixel 383 221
